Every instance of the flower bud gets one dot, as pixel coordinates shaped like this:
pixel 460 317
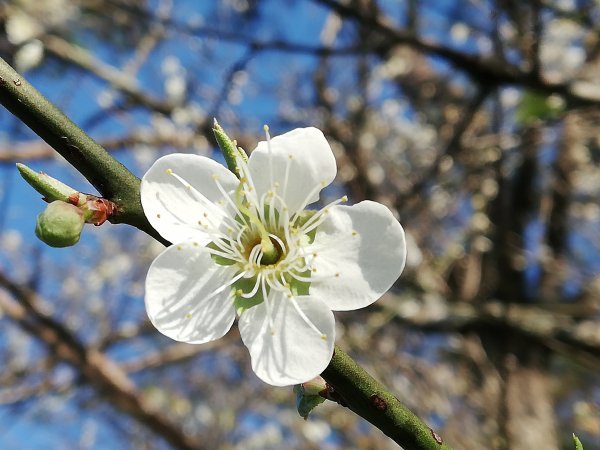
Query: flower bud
pixel 231 152
pixel 60 224
pixel 308 395
pixel 314 386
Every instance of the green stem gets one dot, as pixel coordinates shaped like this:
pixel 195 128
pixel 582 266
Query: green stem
pixel 359 391
pixel 371 400
pixel 104 172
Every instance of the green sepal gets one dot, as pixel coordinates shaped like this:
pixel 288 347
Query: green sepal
pixel 578 444
pixel 242 304
pixel 49 187
pixel 220 260
pixel 304 217
pixel 229 148
pixel 306 403
pixel 299 287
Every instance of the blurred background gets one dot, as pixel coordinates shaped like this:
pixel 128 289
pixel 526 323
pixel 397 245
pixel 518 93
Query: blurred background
pixel 476 121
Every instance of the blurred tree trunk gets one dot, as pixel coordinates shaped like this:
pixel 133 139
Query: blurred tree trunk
pixel 527 419
pixel 530 421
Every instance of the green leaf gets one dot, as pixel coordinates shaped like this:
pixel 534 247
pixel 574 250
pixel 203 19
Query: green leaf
pixel 306 403
pixel 578 444
pixel 49 187
pixel 535 106
pixel 229 148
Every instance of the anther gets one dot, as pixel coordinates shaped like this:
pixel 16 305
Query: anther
pixel 169 171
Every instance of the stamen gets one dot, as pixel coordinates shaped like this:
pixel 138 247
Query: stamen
pixel 268 307
pixel 228 199
pixel 305 318
pixel 206 203
pixel 341 241
pixel 270 150
pixel 277 284
pixel 254 290
pixel 280 242
pixel 255 217
pixel 246 178
pixel 286 177
pixel 252 257
pixel 319 215
pixel 259 257
pixel 310 279
pixel 308 199
pixel 231 256
pixel 193 323
pixel 221 288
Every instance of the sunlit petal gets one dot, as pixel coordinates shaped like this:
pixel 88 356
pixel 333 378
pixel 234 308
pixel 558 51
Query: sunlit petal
pixel 188 295
pixel 178 212
pixel 360 251
pixel 299 162
pixel 292 351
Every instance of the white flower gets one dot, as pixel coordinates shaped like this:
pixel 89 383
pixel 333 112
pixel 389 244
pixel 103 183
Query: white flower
pixel 249 246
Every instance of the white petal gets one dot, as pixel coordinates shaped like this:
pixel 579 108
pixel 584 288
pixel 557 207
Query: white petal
pixel 312 165
pixel 179 299
pixel 174 210
pixel 292 351
pixel 361 252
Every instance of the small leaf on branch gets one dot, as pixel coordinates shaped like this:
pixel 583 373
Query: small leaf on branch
pixel 578 444
pixel 231 152
pixel 49 187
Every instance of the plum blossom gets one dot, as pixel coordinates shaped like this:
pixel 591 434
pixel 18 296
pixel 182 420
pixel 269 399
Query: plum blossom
pixel 246 245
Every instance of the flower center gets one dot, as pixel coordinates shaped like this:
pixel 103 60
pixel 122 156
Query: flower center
pixel 255 251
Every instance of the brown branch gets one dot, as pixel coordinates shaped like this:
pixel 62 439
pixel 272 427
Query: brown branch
pixel 38 150
pixel 78 56
pixel 559 330
pixel 489 71
pixel 23 306
pixel 172 354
